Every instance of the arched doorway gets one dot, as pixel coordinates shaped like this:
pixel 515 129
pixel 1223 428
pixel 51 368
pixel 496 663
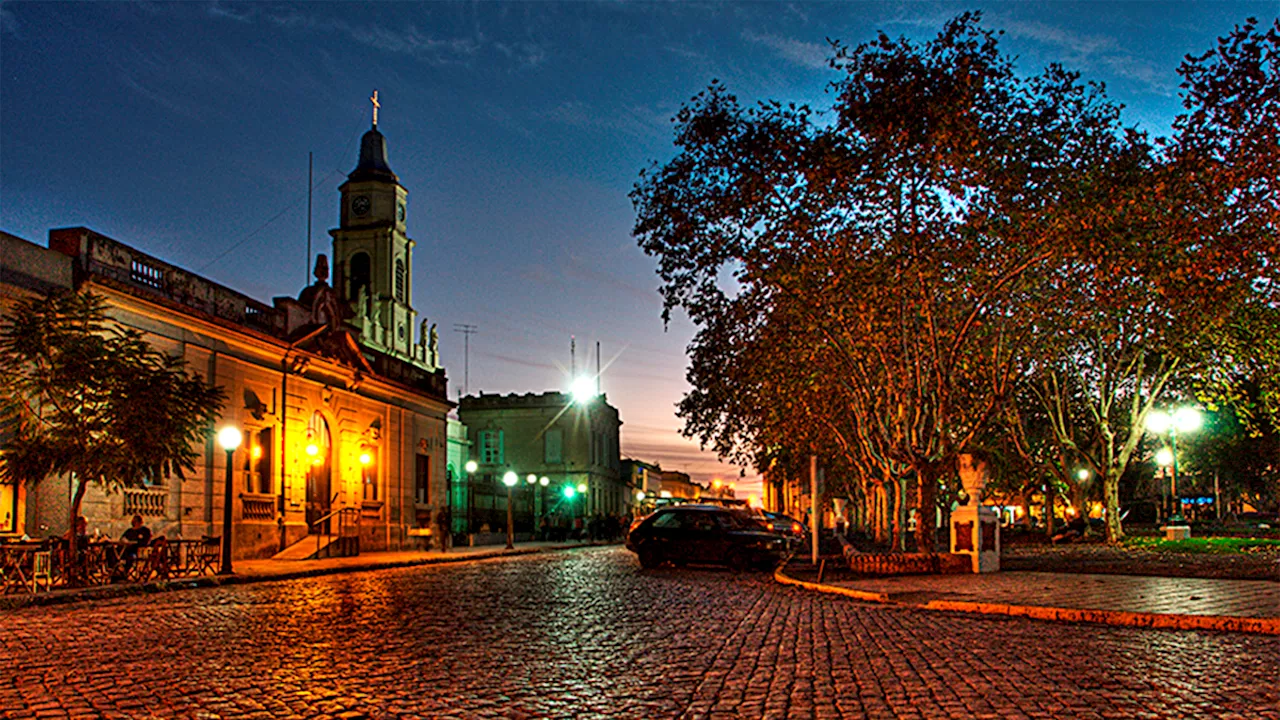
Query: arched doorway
pixel 319 450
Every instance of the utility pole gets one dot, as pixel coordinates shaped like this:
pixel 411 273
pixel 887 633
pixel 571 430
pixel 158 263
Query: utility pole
pixel 467 331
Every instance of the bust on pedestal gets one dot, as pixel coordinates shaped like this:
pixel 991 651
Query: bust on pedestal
pixel 975 530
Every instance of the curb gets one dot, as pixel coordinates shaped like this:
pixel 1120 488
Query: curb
pixel 104 592
pixel 1256 626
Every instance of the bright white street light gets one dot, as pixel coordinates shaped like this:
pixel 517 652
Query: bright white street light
pixel 640 495
pixel 229 438
pixel 510 479
pixel 583 389
pixel 531 479
pixel 1164 457
pixel 544 481
pixel 1159 421
pixel 1187 419
pixel 471 466
pixel 1082 474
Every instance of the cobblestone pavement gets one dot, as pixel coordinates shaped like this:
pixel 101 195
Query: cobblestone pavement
pixel 588 634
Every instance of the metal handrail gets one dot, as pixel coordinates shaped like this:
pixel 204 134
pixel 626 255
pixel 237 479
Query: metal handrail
pixel 343 524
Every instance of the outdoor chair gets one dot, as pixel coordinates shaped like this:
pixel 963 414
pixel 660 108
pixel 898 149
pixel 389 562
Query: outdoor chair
pixel 42 571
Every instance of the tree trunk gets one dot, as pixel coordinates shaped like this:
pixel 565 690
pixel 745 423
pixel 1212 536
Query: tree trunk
pixel 926 494
pixel 899 510
pixel 73 544
pixel 878 522
pixel 1050 499
pixel 1111 502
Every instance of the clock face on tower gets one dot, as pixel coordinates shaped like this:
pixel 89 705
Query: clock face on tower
pixel 360 205
pixel 400 212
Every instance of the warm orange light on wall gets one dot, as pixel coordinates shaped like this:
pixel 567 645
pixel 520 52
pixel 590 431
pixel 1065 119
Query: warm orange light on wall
pixel 366 458
pixel 256 452
pixel 313 449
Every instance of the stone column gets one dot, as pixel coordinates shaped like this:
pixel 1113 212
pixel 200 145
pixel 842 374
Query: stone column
pixel 975 530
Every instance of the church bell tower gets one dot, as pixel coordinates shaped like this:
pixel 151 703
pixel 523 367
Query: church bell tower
pixel 372 252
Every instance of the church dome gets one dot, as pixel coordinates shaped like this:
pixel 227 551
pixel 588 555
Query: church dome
pixel 373 159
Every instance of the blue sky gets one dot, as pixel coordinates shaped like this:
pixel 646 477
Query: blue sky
pixel 518 128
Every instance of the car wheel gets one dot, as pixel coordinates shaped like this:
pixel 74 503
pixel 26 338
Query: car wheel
pixel 648 557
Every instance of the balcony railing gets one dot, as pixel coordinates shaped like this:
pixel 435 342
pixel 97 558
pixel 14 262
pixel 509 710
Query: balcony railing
pixel 147 502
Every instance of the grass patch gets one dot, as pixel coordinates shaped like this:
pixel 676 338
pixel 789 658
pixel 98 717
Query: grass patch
pixel 1212 545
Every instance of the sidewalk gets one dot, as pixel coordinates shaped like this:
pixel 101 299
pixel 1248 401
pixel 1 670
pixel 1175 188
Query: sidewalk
pixel 248 571
pixel 1251 606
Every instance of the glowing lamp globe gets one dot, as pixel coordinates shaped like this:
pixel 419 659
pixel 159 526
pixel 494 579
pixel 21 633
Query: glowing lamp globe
pixel 229 438
pixel 583 389
pixel 1187 419
pixel 510 479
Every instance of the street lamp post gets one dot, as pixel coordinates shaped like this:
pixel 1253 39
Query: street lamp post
pixel 1182 420
pixel 229 438
pixel 471 468
pixel 510 481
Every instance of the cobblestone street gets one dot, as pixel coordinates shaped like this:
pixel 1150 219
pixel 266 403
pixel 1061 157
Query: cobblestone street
pixel 586 633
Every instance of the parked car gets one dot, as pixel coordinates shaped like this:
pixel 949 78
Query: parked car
pixel 785 525
pixel 704 534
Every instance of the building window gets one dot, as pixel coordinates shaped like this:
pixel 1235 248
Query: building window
pixel 400 279
pixel 491 451
pixel 553 446
pixel 144 274
pixel 422 480
pixel 358 279
pixel 369 472
pixel 260 454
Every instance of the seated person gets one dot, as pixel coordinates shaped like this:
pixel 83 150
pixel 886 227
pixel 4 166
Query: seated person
pixel 137 536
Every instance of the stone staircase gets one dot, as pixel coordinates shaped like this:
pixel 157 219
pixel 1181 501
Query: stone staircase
pixel 308 548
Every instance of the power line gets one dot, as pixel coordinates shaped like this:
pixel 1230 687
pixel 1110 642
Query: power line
pixel 264 225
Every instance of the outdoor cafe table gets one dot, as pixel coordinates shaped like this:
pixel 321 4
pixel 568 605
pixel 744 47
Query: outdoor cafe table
pixel 103 561
pixel 16 564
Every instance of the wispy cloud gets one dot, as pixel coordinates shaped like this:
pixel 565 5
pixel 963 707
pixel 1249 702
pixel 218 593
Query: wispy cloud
pixel 409 40
pixel 632 120
pixel 162 100
pixel 219 10
pixel 805 54
pixel 1094 51
pixel 8 22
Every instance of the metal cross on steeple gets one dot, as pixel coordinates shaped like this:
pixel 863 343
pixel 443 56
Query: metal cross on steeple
pixel 374 100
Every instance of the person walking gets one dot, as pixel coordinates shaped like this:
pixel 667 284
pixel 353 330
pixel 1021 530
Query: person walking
pixel 444 525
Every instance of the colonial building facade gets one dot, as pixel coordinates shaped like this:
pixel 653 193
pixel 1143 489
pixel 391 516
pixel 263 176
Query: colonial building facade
pixel 343 410
pixel 573 445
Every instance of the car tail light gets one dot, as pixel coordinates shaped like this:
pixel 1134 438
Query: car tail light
pixel 796 527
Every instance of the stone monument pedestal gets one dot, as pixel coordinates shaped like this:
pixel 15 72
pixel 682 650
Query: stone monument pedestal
pixel 975 531
pixel 1176 532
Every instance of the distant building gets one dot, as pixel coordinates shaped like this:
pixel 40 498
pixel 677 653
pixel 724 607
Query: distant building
pixel 26 271
pixel 574 446
pixel 342 409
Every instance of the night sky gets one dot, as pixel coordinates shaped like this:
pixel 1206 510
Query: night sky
pixel 183 129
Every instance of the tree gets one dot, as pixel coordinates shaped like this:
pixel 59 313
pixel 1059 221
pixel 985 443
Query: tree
pixel 882 261
pixel 1172 282
pixel 91 399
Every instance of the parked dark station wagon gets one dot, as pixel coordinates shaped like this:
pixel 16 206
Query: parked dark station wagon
pixel 704 534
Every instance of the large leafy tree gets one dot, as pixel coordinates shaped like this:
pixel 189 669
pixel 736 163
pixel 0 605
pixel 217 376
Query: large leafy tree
pixel 1173 282
pixel 91 399
pixel 884 255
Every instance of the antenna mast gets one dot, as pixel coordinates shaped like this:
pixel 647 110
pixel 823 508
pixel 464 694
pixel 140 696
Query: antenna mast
pixel 467 331
pixel 307 270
